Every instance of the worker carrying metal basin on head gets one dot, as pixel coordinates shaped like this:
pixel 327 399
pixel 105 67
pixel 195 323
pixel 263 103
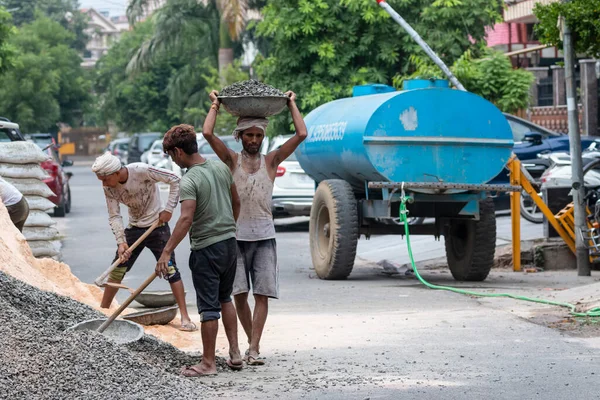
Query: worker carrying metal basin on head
pixel 254 174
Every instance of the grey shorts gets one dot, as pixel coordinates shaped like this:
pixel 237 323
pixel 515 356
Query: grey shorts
pixel 257 264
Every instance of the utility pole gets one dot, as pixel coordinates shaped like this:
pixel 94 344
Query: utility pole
pixel 582 253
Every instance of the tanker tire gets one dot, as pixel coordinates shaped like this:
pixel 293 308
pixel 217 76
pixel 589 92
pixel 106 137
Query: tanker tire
pixel 471 245
pixel 333 229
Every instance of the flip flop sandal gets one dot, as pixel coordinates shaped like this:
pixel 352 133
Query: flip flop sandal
pixel 189 327
pixel 235 367
pixel 251 360
pixel 191 372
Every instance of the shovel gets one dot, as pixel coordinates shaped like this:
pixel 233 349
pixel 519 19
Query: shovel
pixel 123 306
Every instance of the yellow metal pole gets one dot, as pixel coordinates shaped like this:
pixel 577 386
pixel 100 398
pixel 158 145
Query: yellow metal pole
pixel 514 166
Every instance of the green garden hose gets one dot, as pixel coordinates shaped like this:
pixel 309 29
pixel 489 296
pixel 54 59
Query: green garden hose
pixel 594 312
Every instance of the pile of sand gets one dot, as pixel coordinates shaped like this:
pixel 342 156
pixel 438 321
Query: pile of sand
pixel 17 260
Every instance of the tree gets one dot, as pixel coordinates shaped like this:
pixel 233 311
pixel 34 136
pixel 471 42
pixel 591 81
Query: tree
pixel 138 102
pixel 583 16
pixel 230 21
pixel 7 52
pixel 65 12
pixel 47 84
pixel 321 48
pixel 491 76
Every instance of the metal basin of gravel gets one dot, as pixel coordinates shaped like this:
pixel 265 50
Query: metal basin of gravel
pixel 156 299
pixel 119 331
pixel 158 316
pixel 254 106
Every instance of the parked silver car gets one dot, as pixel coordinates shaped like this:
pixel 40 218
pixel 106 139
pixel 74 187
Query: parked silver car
pixel 293 189
pixel 119 148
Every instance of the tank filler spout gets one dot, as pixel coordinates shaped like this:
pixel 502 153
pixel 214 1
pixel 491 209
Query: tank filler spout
pixel 396 17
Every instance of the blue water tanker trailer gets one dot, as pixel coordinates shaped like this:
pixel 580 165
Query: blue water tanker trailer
pixel 440 146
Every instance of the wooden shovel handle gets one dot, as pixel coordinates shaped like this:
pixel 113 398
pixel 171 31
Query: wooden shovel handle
pixel 100 280
pixel 123 306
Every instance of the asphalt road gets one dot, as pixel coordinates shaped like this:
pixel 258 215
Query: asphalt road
pixel 375 336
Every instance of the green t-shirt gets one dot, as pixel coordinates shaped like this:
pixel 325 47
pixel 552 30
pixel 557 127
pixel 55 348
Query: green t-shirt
pixel 209 184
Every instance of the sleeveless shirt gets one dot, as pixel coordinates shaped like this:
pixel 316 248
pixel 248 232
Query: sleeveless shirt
pixel 256 194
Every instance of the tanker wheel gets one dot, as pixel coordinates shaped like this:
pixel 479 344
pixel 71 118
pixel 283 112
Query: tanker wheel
pixel 471 245
pixel 333 229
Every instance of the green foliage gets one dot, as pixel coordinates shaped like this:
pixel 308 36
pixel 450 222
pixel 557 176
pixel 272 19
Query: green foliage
pixel 65 12
pixel 137 102
pixel 491 76
pixel 46 84
pixel 583 16
pixel 7 52
pixel 321 48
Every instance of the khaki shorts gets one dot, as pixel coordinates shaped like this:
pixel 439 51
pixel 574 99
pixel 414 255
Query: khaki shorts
pixel 257 264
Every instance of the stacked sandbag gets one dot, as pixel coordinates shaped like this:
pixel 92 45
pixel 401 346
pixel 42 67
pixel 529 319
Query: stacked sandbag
pixel 20 166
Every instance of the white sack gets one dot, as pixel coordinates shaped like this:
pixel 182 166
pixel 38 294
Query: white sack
pixel 39 218
pixel 40 203
pixel 31 187
pixel 23 171
pixel 45 248
pixel 22 152
pixel 34 233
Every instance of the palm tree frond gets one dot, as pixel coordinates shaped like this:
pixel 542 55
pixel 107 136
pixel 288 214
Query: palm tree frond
pixel 235 14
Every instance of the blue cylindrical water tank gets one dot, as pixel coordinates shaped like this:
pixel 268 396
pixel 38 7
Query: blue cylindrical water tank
pixel 430 134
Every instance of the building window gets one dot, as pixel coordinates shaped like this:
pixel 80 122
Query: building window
pixel 545 92
pixel 531 36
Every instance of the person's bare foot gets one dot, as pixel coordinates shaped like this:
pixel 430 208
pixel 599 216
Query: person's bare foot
pixel 199 370
pixel 235 361
pixel 188 326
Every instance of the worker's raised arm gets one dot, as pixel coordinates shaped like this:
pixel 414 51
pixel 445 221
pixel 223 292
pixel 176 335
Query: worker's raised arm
pixel 277 156
pixel 226 155
pixel 168 177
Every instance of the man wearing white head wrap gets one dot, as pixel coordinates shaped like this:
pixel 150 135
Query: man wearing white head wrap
pixel 244 123
pixel 254 175
pixel 135 186
pixel 106 164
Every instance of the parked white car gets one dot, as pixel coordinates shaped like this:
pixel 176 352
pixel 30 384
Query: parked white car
pixel 154 154
pixel 293 190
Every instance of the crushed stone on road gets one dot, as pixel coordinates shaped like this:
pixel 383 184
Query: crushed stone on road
pixel 39 360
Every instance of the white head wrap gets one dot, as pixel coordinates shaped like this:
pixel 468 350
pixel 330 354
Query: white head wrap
pixel 106 164
pixel 244 123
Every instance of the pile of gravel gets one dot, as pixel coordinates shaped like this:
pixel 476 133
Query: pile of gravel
pixel 250 87
pixel 38 360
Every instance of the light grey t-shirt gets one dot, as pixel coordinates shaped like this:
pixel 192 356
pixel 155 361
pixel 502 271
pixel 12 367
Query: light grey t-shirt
pixel 141 195
pixel 9 194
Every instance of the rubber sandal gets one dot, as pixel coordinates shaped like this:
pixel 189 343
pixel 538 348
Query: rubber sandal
pixel 235 367
pixel 191 372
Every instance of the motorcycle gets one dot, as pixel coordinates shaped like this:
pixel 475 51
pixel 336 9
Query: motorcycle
pixel 558 174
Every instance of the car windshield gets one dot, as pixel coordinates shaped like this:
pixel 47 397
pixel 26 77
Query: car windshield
pixel 4 136
pixel 42 141
pixel 146 141
pixel 230 143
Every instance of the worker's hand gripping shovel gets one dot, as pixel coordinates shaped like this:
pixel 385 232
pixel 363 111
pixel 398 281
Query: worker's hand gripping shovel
pixel 101 280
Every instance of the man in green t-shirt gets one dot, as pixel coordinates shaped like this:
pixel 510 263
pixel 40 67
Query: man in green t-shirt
pixel 210 206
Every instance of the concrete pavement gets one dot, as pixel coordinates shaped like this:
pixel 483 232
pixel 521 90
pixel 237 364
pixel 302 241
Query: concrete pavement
pixel 375 336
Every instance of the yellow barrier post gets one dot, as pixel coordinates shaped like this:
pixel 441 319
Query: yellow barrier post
pixel 514 166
